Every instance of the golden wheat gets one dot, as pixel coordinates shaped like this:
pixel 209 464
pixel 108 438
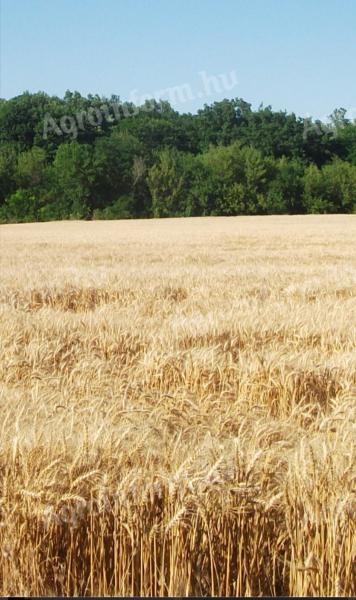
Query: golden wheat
pixel 178 407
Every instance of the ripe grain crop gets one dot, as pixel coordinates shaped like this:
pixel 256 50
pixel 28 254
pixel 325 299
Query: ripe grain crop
pixel 178 407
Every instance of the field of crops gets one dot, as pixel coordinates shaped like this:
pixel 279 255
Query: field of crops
pixel 178 410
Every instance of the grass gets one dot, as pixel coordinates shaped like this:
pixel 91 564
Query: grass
pixel 178 407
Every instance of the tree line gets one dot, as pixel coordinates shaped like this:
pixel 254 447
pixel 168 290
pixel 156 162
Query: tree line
pixel 116 160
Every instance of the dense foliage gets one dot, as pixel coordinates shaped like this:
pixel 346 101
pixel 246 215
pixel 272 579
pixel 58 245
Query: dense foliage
pixel 95 157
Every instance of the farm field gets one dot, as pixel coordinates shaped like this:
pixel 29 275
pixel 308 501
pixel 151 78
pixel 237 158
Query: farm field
pixel 178 409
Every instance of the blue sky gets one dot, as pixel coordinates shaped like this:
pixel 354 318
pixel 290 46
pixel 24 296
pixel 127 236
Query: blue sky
pixel 298 55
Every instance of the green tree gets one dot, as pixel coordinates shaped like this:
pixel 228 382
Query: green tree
pixel 331 189
pixel 203 187
pixel 8 165
pixel 122 208
pixel 21 207
pixel 221 122
pixel 30 167
pixel 340 185
pixel 167 183
pixel 76 155
pixel 73 177
pixel 113 162
pixel 347 141
pixel 242 173
pixel 140 189
pixel 285 190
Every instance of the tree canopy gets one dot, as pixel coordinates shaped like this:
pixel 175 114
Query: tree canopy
pixel 97 157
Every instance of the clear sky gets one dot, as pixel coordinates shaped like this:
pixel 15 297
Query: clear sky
pixel 298 55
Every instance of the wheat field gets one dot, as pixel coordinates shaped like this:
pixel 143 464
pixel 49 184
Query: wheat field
pixel 178 407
